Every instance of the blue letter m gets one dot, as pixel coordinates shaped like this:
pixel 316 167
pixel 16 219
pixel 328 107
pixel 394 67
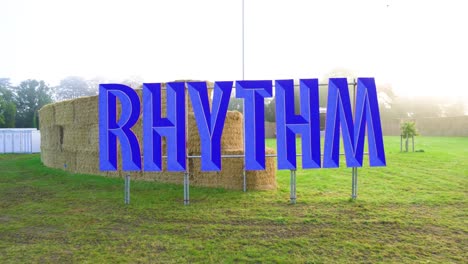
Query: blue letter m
pixel 339 113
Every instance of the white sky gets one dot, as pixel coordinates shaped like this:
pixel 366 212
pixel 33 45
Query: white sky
pixel 420 47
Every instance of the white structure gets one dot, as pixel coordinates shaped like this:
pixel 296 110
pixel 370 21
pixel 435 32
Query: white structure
pixel 20 140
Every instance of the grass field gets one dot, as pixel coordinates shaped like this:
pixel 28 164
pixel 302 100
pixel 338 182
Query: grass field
pixel 413 210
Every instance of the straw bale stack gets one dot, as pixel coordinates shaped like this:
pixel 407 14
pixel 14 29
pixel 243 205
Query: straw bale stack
pixel 86 110
pixel 263 179
pixel 88 162
pixel 64 113
pixel 193 137
pixel 48 156
pixel 230 177
pixel 65 160
pixel 51 136
pixel 70 141
pixel 233 132
pixel 92 138
pixel 75 137
pixel 47 115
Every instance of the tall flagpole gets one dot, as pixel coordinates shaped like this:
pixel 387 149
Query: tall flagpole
pixel 244 172
pixel 243 69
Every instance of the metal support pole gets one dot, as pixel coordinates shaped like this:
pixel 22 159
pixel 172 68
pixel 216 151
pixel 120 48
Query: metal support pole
pixel 354 183
pixel 293 187
pixel 186 189
pixel 412 140
pixel 187 160
pixel 245 181
pixel 244 186
pixel 243 49
pixel 354 169
pixel 127 189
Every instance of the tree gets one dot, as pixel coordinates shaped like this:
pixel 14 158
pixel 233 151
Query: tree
pixel 73 87
pixel 30 96
pixel 93 84
pixel 408 130
pixel 7 113
pixel 270 110
pixel 7 104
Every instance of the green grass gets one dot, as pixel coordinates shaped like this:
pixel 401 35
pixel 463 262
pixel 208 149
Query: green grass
pixel 413 210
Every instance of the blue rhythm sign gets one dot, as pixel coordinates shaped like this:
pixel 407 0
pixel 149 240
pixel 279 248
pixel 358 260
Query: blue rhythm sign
pixel 211 124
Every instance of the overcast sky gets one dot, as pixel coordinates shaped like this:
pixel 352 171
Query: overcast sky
pixel 420 47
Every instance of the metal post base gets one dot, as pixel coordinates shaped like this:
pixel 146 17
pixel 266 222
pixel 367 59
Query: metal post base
pixel 244 186
pixel 354 183
pixel 186 189
pixel 293 187
pixel 127 189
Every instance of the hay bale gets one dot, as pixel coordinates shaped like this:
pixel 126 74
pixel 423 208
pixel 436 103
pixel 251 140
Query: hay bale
pixel 65 160
pixel 193 137
pixel 87 162
pixel 162 176
pixel 47 116
pixel 233 132
pixel 263 179
pixel 52 137
pixel 75 137
pixel 230 177
pixel 92 138
pixel 113 174
pixel 86 111
pixel 64 113
pixel 48 156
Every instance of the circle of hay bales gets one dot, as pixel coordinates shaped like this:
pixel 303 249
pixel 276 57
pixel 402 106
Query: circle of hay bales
pixel 70 141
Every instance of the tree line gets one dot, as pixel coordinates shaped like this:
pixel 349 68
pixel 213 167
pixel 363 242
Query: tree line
pixel 19 104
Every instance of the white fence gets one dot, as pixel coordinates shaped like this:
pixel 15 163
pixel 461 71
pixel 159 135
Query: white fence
pixel 20 140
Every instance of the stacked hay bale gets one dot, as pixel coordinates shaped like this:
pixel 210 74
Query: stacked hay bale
pixel 232 144
pixel 69 136
pixel 70 141
pixel 50 135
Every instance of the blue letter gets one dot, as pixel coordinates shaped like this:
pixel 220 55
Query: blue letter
pixel 172 127
pixel 253 93
pixel 209 125
pixel 110 129
pixel 339 113
pixel 367 109
pixel 289 124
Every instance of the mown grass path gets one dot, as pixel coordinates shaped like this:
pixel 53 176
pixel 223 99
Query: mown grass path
pixel 413 210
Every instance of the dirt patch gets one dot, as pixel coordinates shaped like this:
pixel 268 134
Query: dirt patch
pixel 21 194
